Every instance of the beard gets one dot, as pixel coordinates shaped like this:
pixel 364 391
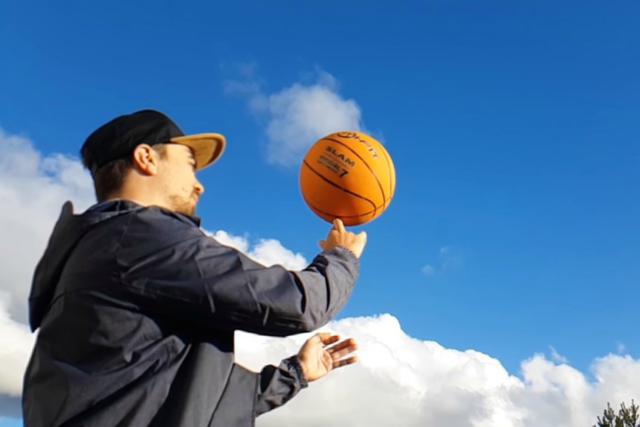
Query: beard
pixel 186 206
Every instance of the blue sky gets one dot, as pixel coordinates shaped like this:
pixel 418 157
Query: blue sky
pixel 513 127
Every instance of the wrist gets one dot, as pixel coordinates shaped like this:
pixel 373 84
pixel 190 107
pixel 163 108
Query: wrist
pixel 300 369
pixel 345 250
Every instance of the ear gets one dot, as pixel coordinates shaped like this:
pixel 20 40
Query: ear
pixel 145 159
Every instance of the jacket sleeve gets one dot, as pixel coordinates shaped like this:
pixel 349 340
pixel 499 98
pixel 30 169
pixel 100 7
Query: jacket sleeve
pixel 200 280
pixel 278 384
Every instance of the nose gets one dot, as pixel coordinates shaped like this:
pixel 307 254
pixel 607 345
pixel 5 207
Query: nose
pixel 199 188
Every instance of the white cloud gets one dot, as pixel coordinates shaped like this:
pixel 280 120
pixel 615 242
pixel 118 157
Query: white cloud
pixel 271 251
pixel 557 357
pixel 428 270
pixel 447 259
pixel 17 342
pixel 266 251
pixel 407 382
pixel 298 115
pixel 238 242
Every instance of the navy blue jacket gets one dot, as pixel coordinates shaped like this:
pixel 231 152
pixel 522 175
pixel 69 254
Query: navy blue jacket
pixel 136 309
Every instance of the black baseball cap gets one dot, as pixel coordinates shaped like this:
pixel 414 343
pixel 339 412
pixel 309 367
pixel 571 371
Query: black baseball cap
pixel 118 138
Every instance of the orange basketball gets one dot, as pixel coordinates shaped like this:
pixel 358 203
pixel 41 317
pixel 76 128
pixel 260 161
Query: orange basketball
pixel 348 175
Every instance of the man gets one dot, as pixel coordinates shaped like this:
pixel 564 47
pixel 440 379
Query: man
pixel 136 307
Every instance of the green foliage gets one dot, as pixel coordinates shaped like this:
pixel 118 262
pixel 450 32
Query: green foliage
pixel 626 417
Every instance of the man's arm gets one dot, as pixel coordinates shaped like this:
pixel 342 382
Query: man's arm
pixel 275 301
pixel 316 358
pixel 190 276
pixel 278 384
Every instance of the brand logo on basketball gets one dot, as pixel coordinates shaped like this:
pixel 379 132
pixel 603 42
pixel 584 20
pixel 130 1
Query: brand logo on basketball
pixel 344 159
pixel 354 135
pixel 333 166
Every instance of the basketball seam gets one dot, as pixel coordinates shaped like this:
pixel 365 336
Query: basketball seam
pixel 339 187
pixel 384 198
pixel 392 174
pixel 337 215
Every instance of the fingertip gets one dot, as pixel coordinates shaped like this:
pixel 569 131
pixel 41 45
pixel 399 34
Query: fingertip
pixel 346 362
pixel 332 339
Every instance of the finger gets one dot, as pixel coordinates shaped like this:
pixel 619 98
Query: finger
pixel 337 355
pixel 316 340
pixel 322 336
pixel 348 343
pixel 338 225
pixel 328 338
pixel 344 362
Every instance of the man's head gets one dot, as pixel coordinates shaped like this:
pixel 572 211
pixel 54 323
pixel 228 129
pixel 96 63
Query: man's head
pixel 146 158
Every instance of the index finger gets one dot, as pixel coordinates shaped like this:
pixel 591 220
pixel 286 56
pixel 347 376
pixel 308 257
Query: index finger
pixel 338 225
pixel 326 338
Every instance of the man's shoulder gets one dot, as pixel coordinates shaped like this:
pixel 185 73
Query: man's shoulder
pixel 134 230
pixel 160 216
pixel 156 223
pixel 144 216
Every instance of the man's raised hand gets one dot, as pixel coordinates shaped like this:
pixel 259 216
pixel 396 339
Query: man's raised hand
pixel 339 236
pixel 320 354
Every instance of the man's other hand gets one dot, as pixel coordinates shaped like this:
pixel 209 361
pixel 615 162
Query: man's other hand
pixel 318 356
pixel 339 236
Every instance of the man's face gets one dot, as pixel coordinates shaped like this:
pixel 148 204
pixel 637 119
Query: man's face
pixel 178 179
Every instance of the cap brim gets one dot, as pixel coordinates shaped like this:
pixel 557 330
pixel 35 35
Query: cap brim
pixel 207 147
